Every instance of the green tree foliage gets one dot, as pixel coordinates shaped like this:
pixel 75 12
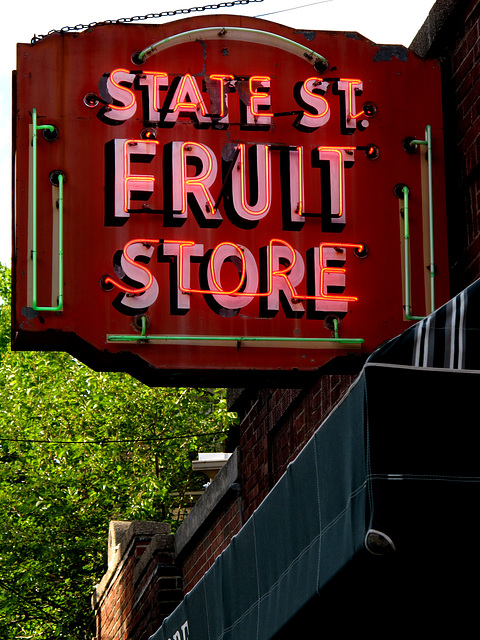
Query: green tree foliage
pixel 78 449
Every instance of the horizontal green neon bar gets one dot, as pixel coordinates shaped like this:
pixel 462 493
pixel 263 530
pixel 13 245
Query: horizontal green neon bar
pixel 234 339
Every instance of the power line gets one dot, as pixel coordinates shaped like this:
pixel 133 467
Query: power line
pixel 183 436
pixel 262 15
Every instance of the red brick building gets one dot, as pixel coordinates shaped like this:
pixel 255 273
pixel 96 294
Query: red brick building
pixel 424 585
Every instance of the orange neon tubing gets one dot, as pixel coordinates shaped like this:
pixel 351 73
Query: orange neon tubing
pixel 271 272
pixel 330 270
pixel 189 106
pixel 183 289
pixel 130 290
pixel 241 161
pixel 258 95
pixel 351 82
pixel 280 272
pixel 119 86
pixel 189 243
pixel 198 180
pixel 181 244
pixel 126 163
pixel 315 95
pixel 156 75
pixel 338 151
pixel 335 270
pixel 300 180
pixel 244 269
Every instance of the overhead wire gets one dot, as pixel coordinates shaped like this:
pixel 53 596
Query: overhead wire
pixel 302 6
pixel 101 441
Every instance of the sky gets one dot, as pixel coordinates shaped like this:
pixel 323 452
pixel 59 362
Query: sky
pixel 382 21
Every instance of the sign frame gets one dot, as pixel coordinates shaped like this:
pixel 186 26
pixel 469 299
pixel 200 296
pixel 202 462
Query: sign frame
pixel 221 200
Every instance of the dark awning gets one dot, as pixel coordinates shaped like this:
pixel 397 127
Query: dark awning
pixel 309 526
pixel 446 339
pixel 399 455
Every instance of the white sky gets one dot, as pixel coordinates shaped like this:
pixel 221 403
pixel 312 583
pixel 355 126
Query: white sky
pixel 382 21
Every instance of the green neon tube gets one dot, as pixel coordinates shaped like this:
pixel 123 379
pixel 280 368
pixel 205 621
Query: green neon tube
pixel 144 337
pixel 428 143
pixel 406 235
pixel 428 135
pixel 248 35
pixel 35 304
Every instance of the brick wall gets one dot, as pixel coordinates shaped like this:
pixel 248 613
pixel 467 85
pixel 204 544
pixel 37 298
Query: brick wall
pixel 142 584
pixel 211 544
pixel 452 34
pixel 275 426
pixel 211 524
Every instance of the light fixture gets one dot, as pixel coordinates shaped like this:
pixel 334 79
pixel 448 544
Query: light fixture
pixel 378 543
pixel 369 109
pixel 148 134
pixel 91 100
pixel 372 151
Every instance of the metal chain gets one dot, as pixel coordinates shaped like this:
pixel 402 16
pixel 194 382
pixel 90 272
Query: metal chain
pixel 148 16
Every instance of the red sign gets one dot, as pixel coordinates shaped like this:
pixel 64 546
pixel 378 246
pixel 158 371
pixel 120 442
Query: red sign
pixel 217 197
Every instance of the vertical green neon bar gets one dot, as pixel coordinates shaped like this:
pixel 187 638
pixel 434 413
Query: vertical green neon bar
pixel 428 135
pixel 35 305
pixel 407 256
pixel 428 143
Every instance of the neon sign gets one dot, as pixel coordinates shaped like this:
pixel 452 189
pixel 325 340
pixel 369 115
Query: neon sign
pixel 282 269
pixel 166 98
pixel 226 187
pixel 190 170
